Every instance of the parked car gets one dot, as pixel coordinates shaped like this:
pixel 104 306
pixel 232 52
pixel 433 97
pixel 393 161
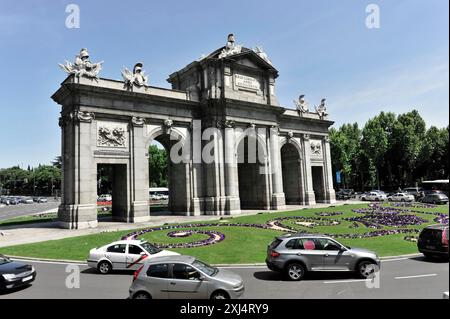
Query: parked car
pixel 27 200
pixel 184 277
pixel 295 255
pixel 124 255
pixel 4 200
pixel 15 274
pixel 374 196
pixel 14 200
pixel 344 194
pixel 104 198
pixel 42 200
pixel 435 198
pixel 433 241
pixel 401 197
pixel 415 191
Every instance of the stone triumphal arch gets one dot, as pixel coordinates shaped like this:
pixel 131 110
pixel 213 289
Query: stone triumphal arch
pixel 260 155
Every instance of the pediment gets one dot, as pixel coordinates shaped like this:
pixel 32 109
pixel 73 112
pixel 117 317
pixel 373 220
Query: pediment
pixel 246 57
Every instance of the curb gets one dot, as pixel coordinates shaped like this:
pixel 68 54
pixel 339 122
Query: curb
pixel 66 261
pixel 400 256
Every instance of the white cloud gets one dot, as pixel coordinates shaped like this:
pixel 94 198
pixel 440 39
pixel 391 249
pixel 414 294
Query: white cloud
pixel 422 84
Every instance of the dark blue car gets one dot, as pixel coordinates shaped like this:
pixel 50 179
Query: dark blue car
pixel 15 274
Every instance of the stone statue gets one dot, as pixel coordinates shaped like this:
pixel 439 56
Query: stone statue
pixel 259 51
pixel 322 109
pixel 111 137
pixel 231 48
pixel 137 77
pixel 82 66
pixel 302 105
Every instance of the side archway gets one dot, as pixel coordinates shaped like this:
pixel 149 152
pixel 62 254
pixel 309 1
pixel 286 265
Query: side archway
pixel 292 169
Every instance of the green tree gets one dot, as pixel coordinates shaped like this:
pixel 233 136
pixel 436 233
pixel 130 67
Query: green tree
pixel 409 140
pixel 374 145
pixel 158 167
pixel 344 145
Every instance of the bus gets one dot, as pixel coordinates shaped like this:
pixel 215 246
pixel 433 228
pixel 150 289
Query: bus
pixel 158 193
pixel 436 185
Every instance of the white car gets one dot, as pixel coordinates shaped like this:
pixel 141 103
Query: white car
pixel 374 196
pixel 104 198
pixel 124 255
pixel 401 197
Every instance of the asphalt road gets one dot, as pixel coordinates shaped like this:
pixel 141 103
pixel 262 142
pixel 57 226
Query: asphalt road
pixel 400 278
pixel 13 211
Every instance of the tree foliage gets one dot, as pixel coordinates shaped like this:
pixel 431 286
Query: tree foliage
pixel 389 152
pixel 158 166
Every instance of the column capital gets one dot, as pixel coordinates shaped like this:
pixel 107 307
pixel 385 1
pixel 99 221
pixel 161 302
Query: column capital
pixel 82 116
pixel 275 129
pixel 137 121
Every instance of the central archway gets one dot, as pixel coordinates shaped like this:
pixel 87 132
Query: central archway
pixel 178 202
pixel 252 175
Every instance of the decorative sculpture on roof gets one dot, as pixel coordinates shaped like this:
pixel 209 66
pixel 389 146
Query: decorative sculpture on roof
pixel 231 48
pixel 82 66
pixel 137 77
pixel 302 105
pixel 259 51
pixel 322 109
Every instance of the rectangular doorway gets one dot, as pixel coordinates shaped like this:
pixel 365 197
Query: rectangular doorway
pixel 112 185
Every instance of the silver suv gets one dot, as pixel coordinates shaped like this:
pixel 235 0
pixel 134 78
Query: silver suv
pixel 184 277
pixel 294 255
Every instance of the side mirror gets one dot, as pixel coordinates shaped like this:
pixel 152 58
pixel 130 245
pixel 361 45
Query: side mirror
pixel 202 278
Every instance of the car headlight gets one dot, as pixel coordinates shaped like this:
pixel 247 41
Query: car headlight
pixel 9 276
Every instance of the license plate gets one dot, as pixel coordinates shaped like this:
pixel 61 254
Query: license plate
pixel 430 247
pixel 27 278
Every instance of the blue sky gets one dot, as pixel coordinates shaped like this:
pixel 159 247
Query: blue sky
pixel 321 48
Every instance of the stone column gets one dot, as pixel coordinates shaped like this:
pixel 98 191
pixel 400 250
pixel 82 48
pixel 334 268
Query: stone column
pixel 278 198
pixel 232 205
pixel 78 208
pixel 310 198
pixel 196 170
pixel 330 195
pixel 139 211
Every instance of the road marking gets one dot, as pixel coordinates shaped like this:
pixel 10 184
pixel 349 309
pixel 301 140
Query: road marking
pixel 346 281
pixel 48 262
pixel 417 276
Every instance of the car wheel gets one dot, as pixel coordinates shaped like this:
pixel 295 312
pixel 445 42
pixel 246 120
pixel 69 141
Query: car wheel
pixel 366 269
pixel 295 271
pixel 104 267
pixel 220 295
pixel 142 295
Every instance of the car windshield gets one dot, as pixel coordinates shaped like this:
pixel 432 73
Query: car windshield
pixel 4 260
pixel 205 268
pixel 150 248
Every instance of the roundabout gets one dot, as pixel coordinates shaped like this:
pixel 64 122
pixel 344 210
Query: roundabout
pixel 375 220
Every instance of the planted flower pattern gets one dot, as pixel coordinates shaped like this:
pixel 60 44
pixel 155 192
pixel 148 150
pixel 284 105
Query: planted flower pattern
pixel 374 216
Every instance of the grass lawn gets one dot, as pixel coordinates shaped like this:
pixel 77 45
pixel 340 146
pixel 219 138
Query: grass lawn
pixel 244 244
